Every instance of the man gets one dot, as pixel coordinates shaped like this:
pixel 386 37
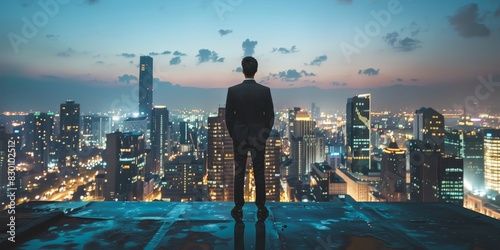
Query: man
pixel 249 119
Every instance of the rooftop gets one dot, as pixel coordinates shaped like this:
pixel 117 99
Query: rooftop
pixel 208 225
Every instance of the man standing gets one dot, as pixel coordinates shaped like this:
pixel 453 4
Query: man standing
pixel 249 119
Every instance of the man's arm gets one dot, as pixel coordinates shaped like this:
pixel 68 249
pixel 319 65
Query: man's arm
pixel 229 113
pixel 269 110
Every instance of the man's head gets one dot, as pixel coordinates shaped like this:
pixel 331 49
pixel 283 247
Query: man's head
pixel 249 66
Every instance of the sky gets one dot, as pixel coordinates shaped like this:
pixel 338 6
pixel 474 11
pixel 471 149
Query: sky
pixel 89 46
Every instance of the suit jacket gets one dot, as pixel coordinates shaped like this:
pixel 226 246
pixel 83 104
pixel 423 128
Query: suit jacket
pixel 249 112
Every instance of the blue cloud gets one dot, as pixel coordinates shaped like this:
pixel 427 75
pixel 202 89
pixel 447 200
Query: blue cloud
pixel 175 61
pixel 318 60
pixel 127 55
pixel 369 72
pixel 225 32
pixel 127 79
pixel 249 47
pixel 178 53
pixel 283 50
pixel 205 55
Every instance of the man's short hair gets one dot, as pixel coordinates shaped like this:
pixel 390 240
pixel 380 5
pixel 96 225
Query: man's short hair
pixel 249 66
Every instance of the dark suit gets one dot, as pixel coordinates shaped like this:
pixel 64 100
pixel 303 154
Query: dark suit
pixel 249 119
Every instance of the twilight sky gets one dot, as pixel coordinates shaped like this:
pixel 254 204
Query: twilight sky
pixel 329 44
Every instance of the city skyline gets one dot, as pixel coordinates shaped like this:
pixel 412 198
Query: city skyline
pixel 307 57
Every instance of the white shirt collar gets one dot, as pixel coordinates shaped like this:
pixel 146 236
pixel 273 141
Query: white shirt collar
pixel 249 79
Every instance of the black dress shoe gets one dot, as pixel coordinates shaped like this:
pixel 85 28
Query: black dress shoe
pixel 237 214
pixel 262 213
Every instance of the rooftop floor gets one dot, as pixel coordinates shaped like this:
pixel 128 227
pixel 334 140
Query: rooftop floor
pixel 208 225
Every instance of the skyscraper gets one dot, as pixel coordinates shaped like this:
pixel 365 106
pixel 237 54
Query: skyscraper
pixel 393 173
pixel 220 161
pixel 159 136
pixel 272 166
pixel 428 126
pixel 125 162
pixel 492 159
pixel 69 133
pixel 146 86
pixel 306 147
pixel 358 150
pixel 184 179
pixel 41 139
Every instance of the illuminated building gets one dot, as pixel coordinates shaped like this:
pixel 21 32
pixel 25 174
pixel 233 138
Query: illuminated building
pixel 146 86
pixel 125 162
pixel 272 166
pixel 220 161
pixel 393 173
pixel 358 120
pixel 40 141
pixel 183 179
pixel 159 140
pixel 319 181
pixel 492 159
pixel 434 176
pixel 306 147
pixel 69 133
pixel 428 126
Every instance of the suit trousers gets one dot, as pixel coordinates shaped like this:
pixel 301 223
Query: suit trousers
pixel 240 158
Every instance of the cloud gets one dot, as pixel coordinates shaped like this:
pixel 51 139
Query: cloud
pixel 318 60
pixel 205 55
pixel 166 52
pixel 66 53
pixel 369 72
pixel 51 36
pixel 290 75
pixel 90 2
pixel 178 53
pixel 99 62
pixel 154 53
pixel 405 45
pixel 282 50
pixel 225 32
pixel 249 47
pixel 239 69
pixel 414 80
pixel 127 55
pixel 175 61
pixel 131 62
pixel 127 79
pixel 466 22
pixel 399 79
pixel 339 84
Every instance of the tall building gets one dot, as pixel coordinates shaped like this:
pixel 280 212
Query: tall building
pixel 358 151
pixel 125 159
pixel 306 147
pixel 319 181
pixel 41 139
pixel 492 159
pixel 69 133
pixel 467 142
pixel 146 86
pixel 450 179
pixel 220 162
pixel 292 113
pixel 434 176
pixel 94 129
pixel 423 162
pixel 183 179
pixel 272 166
pixel 393 173
pixel 428 125
pixel 159 137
